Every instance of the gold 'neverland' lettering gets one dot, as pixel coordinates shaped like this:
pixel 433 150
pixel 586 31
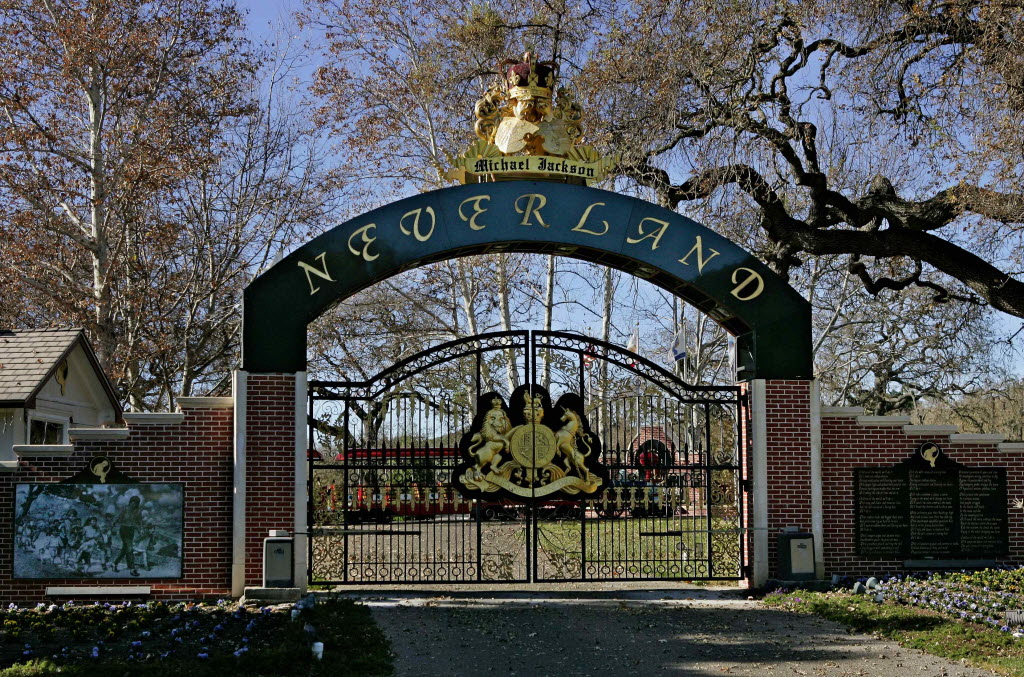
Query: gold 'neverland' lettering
pixel 534 203
pixel 701 261
pixel 320 272
pixel 583 219
pixel 367 240
pixel 655 234
pixel 752 278
pixel 477 211
pixel 415 231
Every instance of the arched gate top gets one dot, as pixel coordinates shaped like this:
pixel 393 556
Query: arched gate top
pixel 771 321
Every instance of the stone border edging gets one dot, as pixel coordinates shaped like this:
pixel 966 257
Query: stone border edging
pixel 93 590
pixel 205 402
pixel 43 449
pixel 99 433
pixel 939 429
pixel 884 420
pixel 153 418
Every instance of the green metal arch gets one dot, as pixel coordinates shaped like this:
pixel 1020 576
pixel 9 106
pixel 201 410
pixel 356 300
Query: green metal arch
pixel 771 321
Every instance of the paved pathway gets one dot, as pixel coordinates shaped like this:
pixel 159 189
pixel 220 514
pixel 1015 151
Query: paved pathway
pixel 626 633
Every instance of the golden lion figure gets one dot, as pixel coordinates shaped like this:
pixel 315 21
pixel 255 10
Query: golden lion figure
pixel 486 446
pixel 567 436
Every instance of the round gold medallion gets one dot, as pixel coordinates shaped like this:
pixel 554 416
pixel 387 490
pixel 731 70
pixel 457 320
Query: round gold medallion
pixel 532 446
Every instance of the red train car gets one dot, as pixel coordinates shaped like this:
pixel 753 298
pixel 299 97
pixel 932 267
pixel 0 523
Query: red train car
pixel 383 500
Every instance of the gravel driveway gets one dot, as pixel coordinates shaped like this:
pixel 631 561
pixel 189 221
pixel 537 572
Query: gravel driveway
pixel 697 632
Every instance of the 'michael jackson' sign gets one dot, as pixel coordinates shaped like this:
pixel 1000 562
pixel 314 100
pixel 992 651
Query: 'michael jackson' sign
pixel 526 448
pixel 525 134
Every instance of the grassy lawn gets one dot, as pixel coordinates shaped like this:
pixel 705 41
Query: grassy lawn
pixel 196 640
pixel 621 548
pixel 675 547
pixel 934 632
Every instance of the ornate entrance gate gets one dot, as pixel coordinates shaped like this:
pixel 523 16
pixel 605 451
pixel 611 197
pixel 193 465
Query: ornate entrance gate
pixel 383 507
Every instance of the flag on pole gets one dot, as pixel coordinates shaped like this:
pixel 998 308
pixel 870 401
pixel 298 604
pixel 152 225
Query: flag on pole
pixel 732 357
pixel 588 356
pixel 678 350
pixel 634 343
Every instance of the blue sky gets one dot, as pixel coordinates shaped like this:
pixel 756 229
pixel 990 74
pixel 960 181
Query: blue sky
pixel 263 13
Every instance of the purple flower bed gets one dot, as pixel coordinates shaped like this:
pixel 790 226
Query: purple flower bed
pixel 71 633
pixel 977 597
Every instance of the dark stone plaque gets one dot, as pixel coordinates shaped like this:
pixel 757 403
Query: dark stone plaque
pixel 930 506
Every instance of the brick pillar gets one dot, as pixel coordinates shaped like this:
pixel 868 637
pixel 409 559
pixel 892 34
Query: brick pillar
pixel 274 458
pixel 782 464
pixel 788 418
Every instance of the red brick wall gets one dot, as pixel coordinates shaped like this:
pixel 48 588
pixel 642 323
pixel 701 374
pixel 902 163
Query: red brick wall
pixel 657 433
pixel 847 445
pixel 197 452
pixel 788 419
pixel 269 464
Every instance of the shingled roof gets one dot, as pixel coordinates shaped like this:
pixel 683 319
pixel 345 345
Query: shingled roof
pixel 28 357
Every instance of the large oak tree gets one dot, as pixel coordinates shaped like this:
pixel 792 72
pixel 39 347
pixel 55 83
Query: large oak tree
pixel 888 132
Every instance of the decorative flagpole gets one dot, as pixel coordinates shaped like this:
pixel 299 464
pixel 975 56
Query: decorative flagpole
pixel 675 332
pixel 686 361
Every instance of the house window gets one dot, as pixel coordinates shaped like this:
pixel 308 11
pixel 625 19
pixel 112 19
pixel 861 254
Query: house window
pixel 42 431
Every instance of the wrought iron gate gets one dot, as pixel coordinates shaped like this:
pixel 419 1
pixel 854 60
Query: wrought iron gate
pixel 382 508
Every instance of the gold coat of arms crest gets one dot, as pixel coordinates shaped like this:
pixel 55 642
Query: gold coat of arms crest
pixel 526 448
pixel 525 132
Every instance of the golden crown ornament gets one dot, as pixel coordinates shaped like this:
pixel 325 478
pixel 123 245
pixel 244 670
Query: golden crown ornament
pixel 525 133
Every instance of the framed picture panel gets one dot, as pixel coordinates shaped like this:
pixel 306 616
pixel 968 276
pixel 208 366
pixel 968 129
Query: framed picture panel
pixel 90 530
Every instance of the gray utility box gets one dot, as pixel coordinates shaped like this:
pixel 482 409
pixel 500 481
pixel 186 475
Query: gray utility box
pixel 278 560
pixel 796 556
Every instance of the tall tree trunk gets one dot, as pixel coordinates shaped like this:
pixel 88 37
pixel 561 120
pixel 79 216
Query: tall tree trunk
pixel 511 366
pixel 549 307
pixel 105 339
pixel 468 298
pixel 606 330
pixel 468 302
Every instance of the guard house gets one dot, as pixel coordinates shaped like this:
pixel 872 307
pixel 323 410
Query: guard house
pixel 50 382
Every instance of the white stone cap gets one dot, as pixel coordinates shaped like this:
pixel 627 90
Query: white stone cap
pixel 883 420
pixel 1011 447
pixel 931 429
pixel 977 438
pixel 134 418
pixel 837 412
pixel 43 449
pixel 8 466
pixel 205 402
pixel 70 591
pixel 98 433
